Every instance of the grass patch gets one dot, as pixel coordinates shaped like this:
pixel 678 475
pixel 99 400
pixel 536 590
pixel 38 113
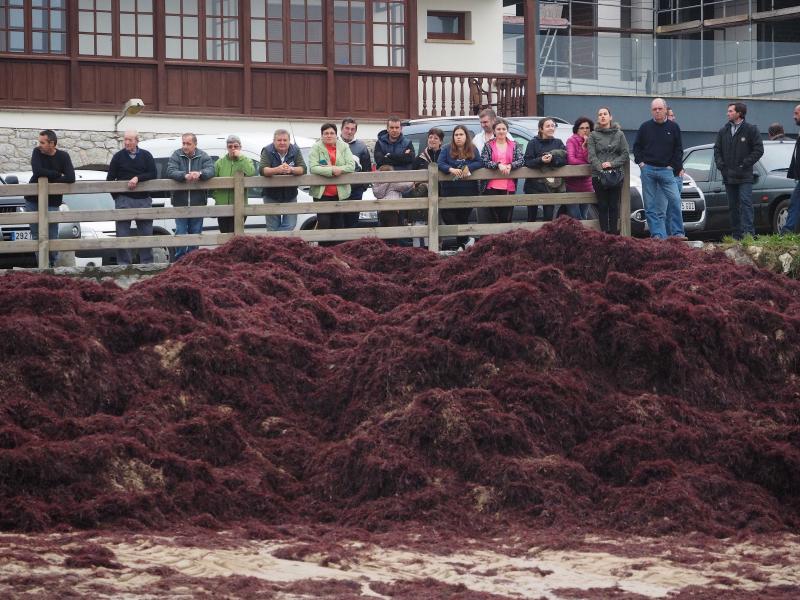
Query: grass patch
pixel 789 241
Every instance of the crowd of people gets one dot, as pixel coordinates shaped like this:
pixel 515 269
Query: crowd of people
pixel 657 149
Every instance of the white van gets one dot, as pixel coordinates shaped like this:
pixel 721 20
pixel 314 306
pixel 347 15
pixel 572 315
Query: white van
pixel 214 146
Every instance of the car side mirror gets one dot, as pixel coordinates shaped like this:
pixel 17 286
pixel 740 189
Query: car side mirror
pixel 12 180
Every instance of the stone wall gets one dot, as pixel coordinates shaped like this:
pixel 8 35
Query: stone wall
pixel 87 148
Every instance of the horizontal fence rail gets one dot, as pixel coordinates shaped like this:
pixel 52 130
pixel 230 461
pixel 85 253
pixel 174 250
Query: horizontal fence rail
pixel 240 210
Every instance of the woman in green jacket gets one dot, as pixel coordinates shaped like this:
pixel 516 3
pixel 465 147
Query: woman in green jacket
pixel 330 157
pixel 226 166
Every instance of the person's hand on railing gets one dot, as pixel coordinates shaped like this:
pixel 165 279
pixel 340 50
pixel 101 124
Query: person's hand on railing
pixel 193 176
pixel 133 182
pixel 504 168
pixel 336 171
pixel 457 173
pixel 547 157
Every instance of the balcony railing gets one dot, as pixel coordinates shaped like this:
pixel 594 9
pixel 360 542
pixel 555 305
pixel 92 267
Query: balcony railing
pixel 445 94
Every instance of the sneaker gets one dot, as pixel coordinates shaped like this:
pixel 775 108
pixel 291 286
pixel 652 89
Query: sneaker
pixel 470 243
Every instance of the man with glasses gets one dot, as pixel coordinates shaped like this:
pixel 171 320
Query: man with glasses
pixel 227 166
pixel 658 150
pixel 281 157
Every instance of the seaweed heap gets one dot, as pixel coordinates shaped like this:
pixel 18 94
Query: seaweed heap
pixel 562 378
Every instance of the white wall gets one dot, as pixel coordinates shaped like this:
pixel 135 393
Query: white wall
pixel 481 53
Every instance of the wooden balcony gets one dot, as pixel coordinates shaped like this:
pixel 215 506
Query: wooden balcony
pixel 448 94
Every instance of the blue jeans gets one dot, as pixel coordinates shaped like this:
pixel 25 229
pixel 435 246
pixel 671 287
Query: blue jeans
pixel 184 226
pixel 674 213
pixel 280 222
pixel 794 211
pixel 740 205
pixel 52 229
pixel 658 189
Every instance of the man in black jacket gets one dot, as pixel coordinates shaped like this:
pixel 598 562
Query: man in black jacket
pixel 794 173
pixel 737 149
pixel 56 165
pixel 363 165
pixel 393 148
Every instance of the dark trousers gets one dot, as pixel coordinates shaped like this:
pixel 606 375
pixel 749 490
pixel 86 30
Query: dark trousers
pixel 497 214
pixel 740 206
pixel 533 211
pixel 457 216
pixel 351 219
pixel 330 220
pixel 225 224
pixel 607 207
pixel 144 227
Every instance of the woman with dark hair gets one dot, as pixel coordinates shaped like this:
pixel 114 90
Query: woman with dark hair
pixel 431 152
pixel 330 157
pixel 501 154
pixel 608 151
pixel 578 154
pixel 459 158
pixel 544 151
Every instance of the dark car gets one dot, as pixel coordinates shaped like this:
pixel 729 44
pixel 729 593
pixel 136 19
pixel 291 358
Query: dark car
pixel 771 188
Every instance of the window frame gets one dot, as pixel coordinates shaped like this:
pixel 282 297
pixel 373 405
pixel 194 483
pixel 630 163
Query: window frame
pixel 202 37
pixel 461 17
pixel 28 30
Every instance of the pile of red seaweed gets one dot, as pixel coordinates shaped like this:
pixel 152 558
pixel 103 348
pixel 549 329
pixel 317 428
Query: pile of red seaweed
pixel 562 378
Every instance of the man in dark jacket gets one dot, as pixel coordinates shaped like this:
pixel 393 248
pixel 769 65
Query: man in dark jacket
pixel 392 148
pixel 737 149
pixel 56 165
pixel 281 157
pixel 658 150
pixel 363 165
pixel 188 164
pixel 133 165
pixel 794 173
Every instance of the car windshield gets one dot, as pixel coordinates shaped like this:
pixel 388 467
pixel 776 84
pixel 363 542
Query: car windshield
pixel 101 201
pixel 777 156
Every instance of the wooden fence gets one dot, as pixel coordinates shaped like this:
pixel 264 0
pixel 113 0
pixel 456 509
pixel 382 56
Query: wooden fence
pixel 240 210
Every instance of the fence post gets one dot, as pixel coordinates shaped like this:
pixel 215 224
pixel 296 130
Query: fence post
pixel 433 207
pixel 625 202
pixel 42 207
pixel 239 195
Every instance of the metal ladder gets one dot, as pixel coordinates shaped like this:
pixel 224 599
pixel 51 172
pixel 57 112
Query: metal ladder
pixel 547 48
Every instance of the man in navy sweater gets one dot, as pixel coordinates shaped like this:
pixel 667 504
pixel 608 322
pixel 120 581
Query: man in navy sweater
pixel 48 161
pixel 658 150
pixel 134 165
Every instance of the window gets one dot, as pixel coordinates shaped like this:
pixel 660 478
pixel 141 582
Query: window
pixel 215 23
pixel 286 31
pixel 698 164
pixel 388 34
pixel 136 28
pixel 129 35
pixel 350 32
pixel 222 30
pixel 94 27
pixel 444 25
pixel 47 25
pixel 266 31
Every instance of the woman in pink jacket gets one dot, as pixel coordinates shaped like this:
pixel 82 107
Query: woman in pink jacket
pixel 578 154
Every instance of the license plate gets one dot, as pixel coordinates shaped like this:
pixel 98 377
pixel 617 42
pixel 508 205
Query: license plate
pixel 687 206
pixel 21 235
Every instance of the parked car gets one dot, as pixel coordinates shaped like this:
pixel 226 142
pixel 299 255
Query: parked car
pixel 22 231
pixel 771 188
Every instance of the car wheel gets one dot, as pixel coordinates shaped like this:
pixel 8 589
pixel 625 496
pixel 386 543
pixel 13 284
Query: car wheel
pixel 161 255
pixel 309 224
pixel 779 215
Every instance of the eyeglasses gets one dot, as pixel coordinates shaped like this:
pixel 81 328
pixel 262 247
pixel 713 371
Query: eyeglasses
pixel 234 145
pixel 583 127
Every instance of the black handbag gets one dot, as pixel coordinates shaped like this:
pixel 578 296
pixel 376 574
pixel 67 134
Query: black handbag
pixel 611 178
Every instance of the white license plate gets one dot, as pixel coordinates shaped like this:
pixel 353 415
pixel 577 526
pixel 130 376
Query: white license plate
pixel 687 205
pixel 21 235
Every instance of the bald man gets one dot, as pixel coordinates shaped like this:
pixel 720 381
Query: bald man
pixel 658 150
pixel 133 165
